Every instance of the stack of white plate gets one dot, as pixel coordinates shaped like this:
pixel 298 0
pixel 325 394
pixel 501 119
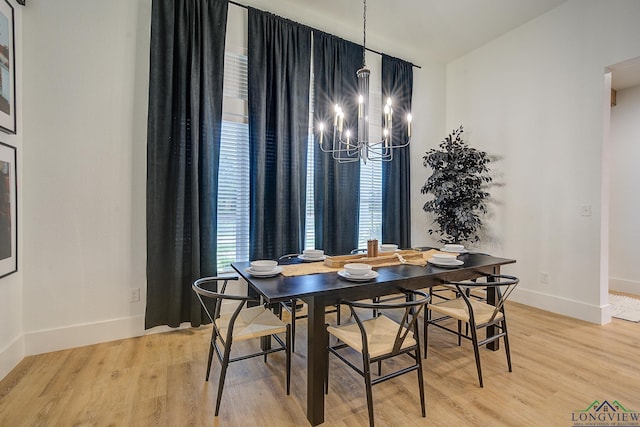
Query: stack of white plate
pixel 445 260
pixel 388 247
pixel 264 268
pixel 312 255
pixel 358 272
pixel 449 247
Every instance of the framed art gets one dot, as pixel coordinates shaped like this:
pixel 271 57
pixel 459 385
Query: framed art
pixel 7 69
pixel 8 211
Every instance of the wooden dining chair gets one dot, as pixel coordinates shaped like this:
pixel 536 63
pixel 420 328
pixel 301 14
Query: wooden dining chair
pixel 232 321
pixel 476 313
pixel 297 309
pixel 380 338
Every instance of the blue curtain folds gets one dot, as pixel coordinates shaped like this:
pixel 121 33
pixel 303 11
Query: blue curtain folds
pixel 336 187
pixel 279 60
pixel 397 83
pixel 183 146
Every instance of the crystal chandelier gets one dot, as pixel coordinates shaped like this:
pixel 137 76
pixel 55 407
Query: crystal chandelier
pixel 345 147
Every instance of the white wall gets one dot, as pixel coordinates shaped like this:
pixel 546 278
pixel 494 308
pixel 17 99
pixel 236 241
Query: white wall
pixel 84 170
pixel 624 270
pixel 534 97
pixel 85 103
pixel 11 297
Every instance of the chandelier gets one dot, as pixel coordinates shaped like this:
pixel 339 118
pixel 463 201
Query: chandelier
pixel 346 147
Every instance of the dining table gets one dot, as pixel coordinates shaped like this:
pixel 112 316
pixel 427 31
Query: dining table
pixel 321 287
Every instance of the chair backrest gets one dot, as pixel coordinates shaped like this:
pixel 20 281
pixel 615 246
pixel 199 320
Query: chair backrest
pixel 203 289
pixel 416 300
pixel 503 285
pixel 358 251
pixel 288 257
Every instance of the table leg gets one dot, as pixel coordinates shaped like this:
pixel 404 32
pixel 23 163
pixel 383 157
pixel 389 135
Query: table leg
pixel 492 299
pixel 316 360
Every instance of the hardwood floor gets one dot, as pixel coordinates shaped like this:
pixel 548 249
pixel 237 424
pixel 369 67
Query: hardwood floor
pixel 561 365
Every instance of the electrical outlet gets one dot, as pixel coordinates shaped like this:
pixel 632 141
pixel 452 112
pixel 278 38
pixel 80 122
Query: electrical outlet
pixel 134 296
pixel 544 278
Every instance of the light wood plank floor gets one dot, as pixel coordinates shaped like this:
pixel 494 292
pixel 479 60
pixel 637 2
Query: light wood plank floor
pixel 560 365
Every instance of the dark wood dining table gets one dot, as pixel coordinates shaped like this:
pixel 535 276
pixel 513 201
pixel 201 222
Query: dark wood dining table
pixel 325 289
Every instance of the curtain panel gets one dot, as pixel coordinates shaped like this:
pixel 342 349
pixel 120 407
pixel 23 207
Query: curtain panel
pixel 397 83
pixel 337 186
pixel 183 142
pixel 279 61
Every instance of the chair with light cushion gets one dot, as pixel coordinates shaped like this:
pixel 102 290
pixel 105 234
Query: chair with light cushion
pixel 380 338
pixel 232 321
pixel 476 313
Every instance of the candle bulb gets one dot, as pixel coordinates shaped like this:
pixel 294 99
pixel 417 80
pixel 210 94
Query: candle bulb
pixel 386 116
pixel 360 103
pixel 340 121
pixel 321 128
pixel 348 138
pixel 409 125
pixel 385 133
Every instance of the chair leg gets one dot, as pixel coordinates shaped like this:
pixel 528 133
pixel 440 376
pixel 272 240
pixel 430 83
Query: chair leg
pixel 476 352
pixel 223 374
pixel 459 332
pixel 326 371
pixel 338 313
pixel 427 318
pixel 506 344
pixel 288 352
pixel 421 381
pixel 367 383
pixel 293 325
pixel 211 348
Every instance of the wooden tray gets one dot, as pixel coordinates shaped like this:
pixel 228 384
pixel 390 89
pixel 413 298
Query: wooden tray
pixel 341 260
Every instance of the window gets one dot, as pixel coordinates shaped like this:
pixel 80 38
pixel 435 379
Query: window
pixel 371 173
pixel 233 179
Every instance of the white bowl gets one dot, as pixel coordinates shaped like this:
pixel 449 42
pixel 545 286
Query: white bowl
pixel 454 248
pixel 357 269
pixel 263 265
pixel 313 253
pixel 444 257
pixel 388 247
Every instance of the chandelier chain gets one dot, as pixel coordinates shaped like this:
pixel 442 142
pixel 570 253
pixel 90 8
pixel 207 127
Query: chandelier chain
pixel 364 33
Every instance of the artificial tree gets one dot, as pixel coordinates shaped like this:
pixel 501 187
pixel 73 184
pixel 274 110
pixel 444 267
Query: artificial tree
pixel 458 185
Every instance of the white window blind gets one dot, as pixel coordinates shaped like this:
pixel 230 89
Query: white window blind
pixel 309 226
pixel 371 173
pixel 233 174
pixel 233 180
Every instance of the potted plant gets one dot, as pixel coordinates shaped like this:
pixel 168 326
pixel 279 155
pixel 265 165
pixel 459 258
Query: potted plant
pixel 458 183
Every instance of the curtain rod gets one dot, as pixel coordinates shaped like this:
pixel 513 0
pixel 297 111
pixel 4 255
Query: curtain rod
pixel 315 29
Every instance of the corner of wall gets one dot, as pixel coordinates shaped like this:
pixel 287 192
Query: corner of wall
pixel 11 355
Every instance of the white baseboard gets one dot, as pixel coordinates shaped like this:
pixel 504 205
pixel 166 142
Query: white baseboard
pixel 11 355
pixel 622 285
pixel 90 333
pixel 72 336
pixel 564 306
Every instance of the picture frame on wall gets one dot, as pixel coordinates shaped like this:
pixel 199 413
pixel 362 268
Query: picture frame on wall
pixel 7 68
pixel 8 210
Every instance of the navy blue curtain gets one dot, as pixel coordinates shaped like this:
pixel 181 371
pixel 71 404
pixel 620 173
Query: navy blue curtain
pixel 337 185
pixel 279 77
pixel 183 146
pixel 397 83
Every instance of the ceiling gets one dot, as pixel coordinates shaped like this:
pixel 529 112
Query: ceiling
pixel 426 30
pixel 415 30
